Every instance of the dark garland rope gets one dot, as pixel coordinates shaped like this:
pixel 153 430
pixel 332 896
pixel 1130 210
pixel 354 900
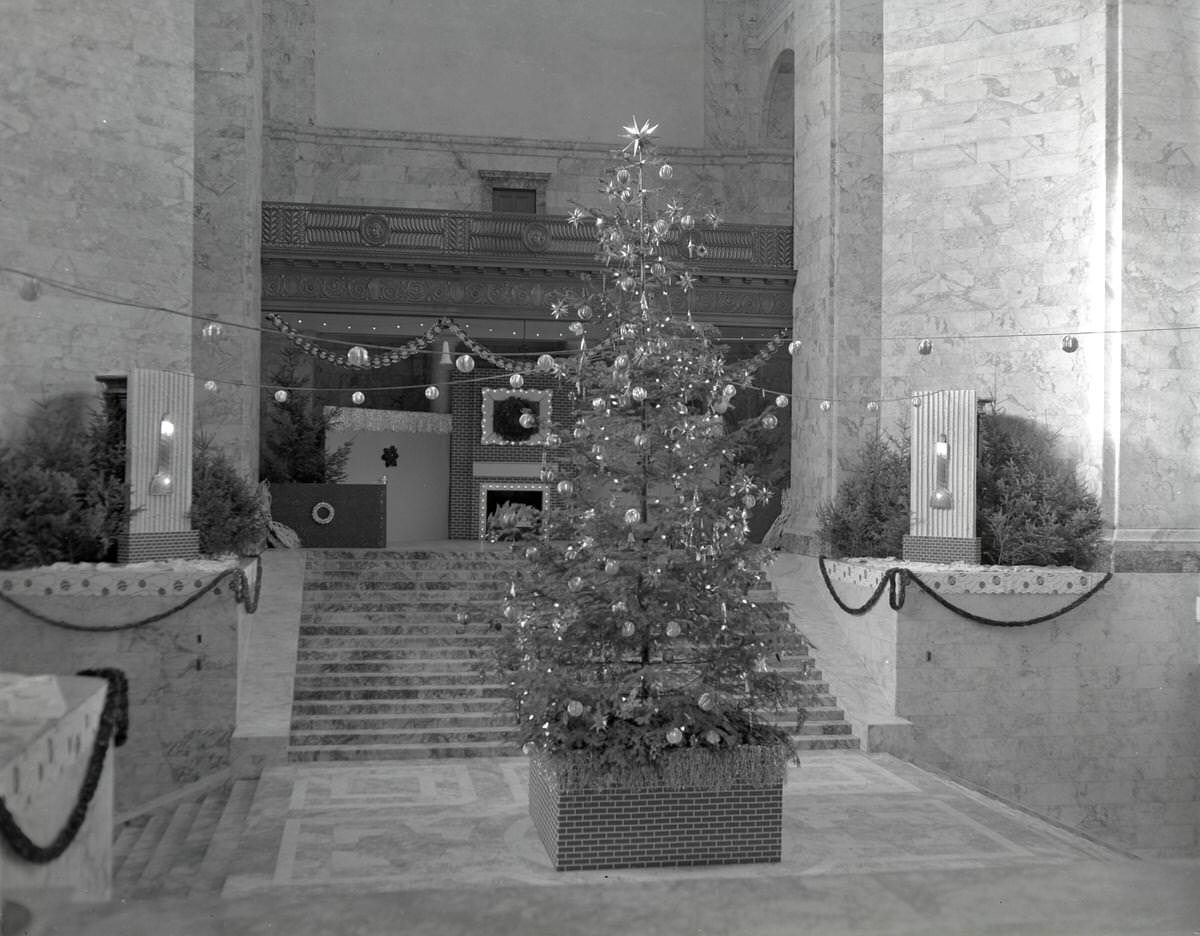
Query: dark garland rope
pixel 895 578
pixel 889 581
pixel 240 588
pixel 992 622
pixel 114 727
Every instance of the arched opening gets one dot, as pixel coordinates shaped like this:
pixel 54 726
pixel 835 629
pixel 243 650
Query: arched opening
pixel 778 114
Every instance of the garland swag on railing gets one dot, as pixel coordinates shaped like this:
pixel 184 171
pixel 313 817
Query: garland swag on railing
pixel 114 728
pixel 239 586
pixel 380 359
pixel 896 578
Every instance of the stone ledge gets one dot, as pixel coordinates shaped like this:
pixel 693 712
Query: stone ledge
pixel 103 580
pixel 965 579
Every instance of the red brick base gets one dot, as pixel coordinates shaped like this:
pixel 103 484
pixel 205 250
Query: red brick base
pixel 653 826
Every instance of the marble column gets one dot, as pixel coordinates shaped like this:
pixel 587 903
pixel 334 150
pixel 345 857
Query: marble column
pixel 838 201
pixel 228 186
pixel 1152 464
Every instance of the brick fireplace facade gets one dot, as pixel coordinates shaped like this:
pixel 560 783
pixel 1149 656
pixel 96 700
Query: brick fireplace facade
pixel 476 467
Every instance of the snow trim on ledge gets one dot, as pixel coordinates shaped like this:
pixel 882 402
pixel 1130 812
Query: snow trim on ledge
pixel 379 420
pixel 179 577
pixel 964 579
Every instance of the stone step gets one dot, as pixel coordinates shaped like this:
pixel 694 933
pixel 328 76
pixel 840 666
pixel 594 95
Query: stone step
pixel 338 653
pixel 126 835
pixel 826 743
pixel 417 708
pixel 400 669
pixel 382 610
pixel 460 564
pixel 466 590
pixel 462 692
pixel 166 850
pixel 225 840
pixel 404 751
pixel 151 832
pixel 444 617
pixel 185 864
pixel 816 713
pixel 390 627
pixel 471 592
pixel 335 637
pixel 370 737
pixel 313 724
pixel 442 676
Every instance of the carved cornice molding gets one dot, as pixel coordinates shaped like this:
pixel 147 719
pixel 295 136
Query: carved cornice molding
pixel 317 256
pixel 397 233
pixel 526 296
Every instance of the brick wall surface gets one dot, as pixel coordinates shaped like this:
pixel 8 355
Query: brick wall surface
pixel 941 549
pixel 466 447
pixel 654 826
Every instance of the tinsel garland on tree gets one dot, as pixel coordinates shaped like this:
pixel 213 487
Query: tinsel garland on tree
pixel 630 633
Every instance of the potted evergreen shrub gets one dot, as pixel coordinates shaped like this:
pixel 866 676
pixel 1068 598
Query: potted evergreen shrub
pixel 1032 506
pixel 638 661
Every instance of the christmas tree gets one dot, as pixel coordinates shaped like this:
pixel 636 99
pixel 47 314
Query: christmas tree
pixel 631 631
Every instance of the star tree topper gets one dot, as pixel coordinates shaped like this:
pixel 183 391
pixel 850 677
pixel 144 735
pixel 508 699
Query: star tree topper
pixel 638 135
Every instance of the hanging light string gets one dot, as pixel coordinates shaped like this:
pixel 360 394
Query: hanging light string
pixel 421 345
pixel 108 298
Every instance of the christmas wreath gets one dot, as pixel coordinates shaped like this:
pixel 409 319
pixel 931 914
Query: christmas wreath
pixel 506 419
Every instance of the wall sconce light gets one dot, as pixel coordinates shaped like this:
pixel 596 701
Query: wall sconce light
pixel 446 360
pixel 941 498
pixel 161 482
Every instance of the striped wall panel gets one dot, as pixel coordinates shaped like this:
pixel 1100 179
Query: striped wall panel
pixel 950 413
pixel 155 397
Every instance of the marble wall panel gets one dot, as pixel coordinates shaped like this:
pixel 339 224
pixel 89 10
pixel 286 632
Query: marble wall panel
pixel 533 70
pixel 994 209
pixel 1089 719
pixel 96 183
pixel 182 675
pixel 434 171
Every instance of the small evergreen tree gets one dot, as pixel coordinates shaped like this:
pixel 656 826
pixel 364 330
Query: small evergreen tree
pixel 227 509
pixel 1033 508
pixel 63 496
pixel 869 515
pixel 631 633
pixel 293 450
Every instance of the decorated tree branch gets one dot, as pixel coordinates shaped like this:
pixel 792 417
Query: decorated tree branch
pixel 632 632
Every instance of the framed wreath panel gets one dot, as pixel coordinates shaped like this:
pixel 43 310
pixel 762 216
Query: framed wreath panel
pixel 515 417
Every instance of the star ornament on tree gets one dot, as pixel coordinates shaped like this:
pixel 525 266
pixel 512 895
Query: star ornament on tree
pixel 638 135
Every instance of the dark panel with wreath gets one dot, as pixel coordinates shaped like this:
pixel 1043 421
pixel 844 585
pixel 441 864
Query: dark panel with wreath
pixel 333 515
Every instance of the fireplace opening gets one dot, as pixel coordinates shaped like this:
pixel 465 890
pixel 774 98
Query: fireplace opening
pixel 510 512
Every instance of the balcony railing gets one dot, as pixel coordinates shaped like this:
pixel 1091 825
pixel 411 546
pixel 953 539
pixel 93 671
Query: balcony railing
pixel 414 234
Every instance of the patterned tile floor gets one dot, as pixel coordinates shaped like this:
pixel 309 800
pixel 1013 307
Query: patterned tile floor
pixel 871 845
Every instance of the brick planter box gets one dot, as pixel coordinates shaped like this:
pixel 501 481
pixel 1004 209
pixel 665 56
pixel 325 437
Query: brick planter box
pixel 651 824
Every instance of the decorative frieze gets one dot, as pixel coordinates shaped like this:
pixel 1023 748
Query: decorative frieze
pixel 408 231
pixel 425 258
pixel 289 290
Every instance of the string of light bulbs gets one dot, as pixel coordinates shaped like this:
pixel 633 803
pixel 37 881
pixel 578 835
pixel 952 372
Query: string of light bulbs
pixel 87 293
pixel 214 327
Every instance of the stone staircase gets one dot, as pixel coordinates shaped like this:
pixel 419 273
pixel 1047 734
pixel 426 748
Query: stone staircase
pixel 824 725
pixel 386 671
pixel 185 849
